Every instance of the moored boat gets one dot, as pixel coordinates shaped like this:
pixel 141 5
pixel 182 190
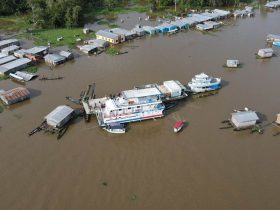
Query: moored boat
pixel 277 44
pixel 115 128
pixel 203 83
pixel 178 126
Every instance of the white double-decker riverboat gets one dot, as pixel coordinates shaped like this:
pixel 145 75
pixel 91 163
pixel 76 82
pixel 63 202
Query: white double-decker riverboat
pixel 128 106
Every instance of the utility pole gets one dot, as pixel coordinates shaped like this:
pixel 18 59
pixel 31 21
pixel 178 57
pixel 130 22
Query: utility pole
pixel 175 5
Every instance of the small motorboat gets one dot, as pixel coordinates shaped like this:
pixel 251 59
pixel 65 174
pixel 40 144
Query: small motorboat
pixel 115 128
pixel 178 126
pixel 277 44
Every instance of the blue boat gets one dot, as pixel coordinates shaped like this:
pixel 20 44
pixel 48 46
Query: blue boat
pixel 277 44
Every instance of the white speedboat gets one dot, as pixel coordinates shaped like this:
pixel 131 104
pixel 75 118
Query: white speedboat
pixel 203 83
pixel 115 128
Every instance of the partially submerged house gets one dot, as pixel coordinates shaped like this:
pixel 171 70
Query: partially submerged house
pixel 38 51
pixel 7 59
pixel 60 116
pixel 89 48
pixel 20 53
pixel 8 42
pixel 166 27
pixel 265 53
pixel 10 50
pixel 22 76
pixel 273 38
pixel 233 63
pixel 200 18
pixel 68 55
pixel 149 30
pixel 244 119
pixel 223 13
pixel 180 24
pixel 273 4
pixel 98 42
pixel 190 21
pixel 2 55
pixel 108 36
pixel 123 33
pixel 54 59
pixel 213 24
pixel 14 95
pixel 204 27
pixel 14 66
pixel 213 15
pixel 139 31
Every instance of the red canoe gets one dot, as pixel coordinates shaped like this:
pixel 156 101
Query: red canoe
pixel 178 126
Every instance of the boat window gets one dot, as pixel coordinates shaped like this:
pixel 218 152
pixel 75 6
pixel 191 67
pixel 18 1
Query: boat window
pixel 138 107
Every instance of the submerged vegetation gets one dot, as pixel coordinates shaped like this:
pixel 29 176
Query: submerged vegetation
pixel 113 51
pixel 31 69
pixel 3 77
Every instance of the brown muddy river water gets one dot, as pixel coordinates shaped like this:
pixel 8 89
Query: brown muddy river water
pixel 150 167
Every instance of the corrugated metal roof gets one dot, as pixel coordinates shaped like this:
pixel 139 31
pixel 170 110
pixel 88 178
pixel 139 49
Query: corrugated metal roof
pixel 121 31
pixel 25 75
pixel 139 93
pixel 88 47
pixel 179 23
pixel 8 41
pixel 165 25
pixel 7 59
pixel 10 48
pixel 55 117
pixel 37 49
pixel 16 63
pixel 211 14
pixel 149 28
pixel 66 54
pixel 245 116
pixel 54 57
pixel 14 94
pixel 107 34
pixel 2 55
pixel 267 50
pixel 221 12
pixel 200 18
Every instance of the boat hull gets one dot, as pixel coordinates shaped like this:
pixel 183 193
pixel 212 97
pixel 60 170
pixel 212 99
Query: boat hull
pixel 115 131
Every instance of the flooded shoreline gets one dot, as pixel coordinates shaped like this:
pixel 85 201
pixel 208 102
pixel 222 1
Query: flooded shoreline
pixel 149 167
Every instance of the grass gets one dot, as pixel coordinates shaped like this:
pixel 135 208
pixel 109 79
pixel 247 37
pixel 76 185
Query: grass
pixel 4 77
pixel 14 23
pixel 42 37
pixel 1 108
pixel 107 23
pixel 31 69
pixel 112 51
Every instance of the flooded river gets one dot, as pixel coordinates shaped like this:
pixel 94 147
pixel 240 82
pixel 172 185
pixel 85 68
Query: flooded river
pixel 150 167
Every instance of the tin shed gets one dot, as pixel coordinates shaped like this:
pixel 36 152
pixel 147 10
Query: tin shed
pixel 54 59
pixel 265 53
pixel 244 119
pixel 14 66
pixel 59 116
pixel 14 95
